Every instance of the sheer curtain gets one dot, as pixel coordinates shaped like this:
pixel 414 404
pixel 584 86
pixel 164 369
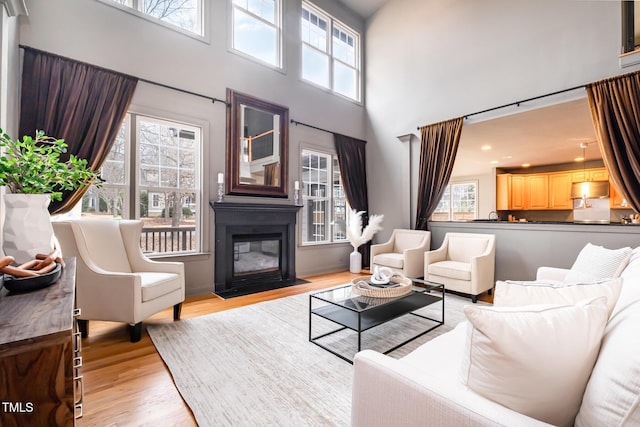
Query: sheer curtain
pixel 615 111
pixel 74 101
pixel 351 155
pixel 438 148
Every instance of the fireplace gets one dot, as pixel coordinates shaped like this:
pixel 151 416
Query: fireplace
pixel 254 247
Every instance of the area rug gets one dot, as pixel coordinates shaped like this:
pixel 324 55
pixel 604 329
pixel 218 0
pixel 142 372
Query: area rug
pixel 255 366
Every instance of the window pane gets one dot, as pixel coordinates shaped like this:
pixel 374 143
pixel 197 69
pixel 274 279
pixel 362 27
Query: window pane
pixel 315 66
pixel 105 201
pixel 181 13
pixel 255 37
pixel 343 47
pixel 339 205
pixel 314 30
pixel 169 221
pixel 345 80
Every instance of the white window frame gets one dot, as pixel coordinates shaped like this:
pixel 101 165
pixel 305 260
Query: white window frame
pixel 133 7
pixel 329 198
pixel 449 193
pixel 277 26
pixel 333 23
pixel 132 185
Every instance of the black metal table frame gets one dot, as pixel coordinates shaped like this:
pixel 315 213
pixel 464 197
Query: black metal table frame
pixel 331 314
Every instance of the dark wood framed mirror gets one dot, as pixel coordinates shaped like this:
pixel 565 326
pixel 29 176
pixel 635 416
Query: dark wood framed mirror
pixel 257 146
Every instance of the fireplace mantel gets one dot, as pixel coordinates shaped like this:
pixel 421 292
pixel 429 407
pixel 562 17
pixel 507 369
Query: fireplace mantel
pixel 253 219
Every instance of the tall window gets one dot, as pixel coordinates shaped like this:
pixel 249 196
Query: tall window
pixel 325 207
pixel 164 189
pixel 459 202
pixel 257 29
pixel 630 25
pixel 184 14
pixel 330 53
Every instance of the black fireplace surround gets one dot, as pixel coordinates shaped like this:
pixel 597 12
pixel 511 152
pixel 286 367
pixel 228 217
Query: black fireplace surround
pixel 242 222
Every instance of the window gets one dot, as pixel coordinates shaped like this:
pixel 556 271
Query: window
pixel 330 53
pixel 630 26
pixel 324 215
pixel 459 202
pixel 257 30
pixel 164 190
pixel 184 14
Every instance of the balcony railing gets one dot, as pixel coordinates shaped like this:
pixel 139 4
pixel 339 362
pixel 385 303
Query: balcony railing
pixel 168 239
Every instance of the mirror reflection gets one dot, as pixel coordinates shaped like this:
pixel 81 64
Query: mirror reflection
pixel 260 158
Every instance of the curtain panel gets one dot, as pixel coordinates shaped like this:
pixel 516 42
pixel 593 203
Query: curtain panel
pixel 351 155
pixel 615 111
pixel 438 148
pixel 74 101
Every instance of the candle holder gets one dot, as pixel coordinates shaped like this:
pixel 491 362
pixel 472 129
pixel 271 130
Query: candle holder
pixel 220 192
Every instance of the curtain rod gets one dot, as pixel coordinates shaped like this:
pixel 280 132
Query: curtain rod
pixel 212 99
pixel 320 129
pixel 517 103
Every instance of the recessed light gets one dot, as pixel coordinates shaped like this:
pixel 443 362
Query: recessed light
pixel 526 165
pixel 485 147
pixel 494 162
pixel 507 157
pixel 579 159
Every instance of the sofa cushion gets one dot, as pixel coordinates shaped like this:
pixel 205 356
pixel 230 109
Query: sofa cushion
pixel 393 260
pixel 452 269
pixel 462 249
pixel 535 359
pixel 597 262
pixel 155 285
pixel 513 294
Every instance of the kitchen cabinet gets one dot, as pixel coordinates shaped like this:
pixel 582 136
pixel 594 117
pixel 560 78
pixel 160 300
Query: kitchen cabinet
pixel 597 174
pixel 537 192
pixel 560 191
pixel 510 192
pixel 40 355
pixel 616 200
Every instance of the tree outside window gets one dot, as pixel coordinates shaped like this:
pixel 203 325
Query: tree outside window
pixel 184 14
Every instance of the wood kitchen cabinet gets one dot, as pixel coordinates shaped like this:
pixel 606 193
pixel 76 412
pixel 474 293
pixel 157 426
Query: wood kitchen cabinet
pixel 39 355
pixel 560 191
pixel 510 192
pixel 597 174
pixel 537 192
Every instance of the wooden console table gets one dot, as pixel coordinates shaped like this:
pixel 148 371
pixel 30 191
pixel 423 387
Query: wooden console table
pixel 40 355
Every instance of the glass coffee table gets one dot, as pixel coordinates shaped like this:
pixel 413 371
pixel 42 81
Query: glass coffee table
pixel 358 313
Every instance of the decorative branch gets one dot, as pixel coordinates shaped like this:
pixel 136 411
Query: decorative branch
pixel 355 234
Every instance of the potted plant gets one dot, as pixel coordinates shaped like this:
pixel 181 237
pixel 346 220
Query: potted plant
pixel 34 174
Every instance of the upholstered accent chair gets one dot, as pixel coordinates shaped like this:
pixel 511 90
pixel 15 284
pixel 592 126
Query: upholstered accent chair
pixel 403 252
pixel 464 263
pixel 115 281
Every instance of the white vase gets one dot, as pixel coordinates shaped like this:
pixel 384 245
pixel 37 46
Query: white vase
pixel 355 261
pixel 27 229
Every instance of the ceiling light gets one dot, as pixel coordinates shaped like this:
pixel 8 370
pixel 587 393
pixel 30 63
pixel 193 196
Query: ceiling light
pixel 579 159
pixel 494 162
pixel 485 147
pixel 526 165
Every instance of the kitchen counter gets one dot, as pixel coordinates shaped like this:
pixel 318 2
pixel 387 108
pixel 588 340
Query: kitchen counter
pixel 522 247
pixel 485 221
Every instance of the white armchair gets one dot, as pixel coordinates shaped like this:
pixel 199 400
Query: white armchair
pixel 464 263
pixel 403 253
pixel 115 281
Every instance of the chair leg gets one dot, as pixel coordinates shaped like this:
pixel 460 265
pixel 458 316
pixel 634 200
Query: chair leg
pixel 177 310
pixel 135 332
pixel 83 325
pixel 490 291
pixel 474 298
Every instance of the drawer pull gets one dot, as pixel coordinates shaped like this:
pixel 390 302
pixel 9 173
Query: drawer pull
pixel 78 411
pixel 77 342
pixel 77 362
pixel 78 389
pixel 77 312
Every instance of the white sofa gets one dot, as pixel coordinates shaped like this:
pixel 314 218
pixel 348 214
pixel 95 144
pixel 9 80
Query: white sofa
pixel 424 387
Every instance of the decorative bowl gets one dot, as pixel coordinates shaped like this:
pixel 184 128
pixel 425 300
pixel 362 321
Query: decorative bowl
pixel 28 284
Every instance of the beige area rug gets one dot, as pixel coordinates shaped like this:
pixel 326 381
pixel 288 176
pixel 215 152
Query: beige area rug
pixel 254 366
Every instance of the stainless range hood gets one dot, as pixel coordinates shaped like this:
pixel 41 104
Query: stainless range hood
pixel 590 190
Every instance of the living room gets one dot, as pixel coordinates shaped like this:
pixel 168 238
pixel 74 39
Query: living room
pixel 422 62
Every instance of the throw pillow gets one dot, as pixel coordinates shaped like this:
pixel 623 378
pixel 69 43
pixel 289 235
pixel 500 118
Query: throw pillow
pixel 535 359
pixel 514 294
pixel 597 262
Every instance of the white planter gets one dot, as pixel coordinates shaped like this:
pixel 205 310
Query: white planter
pixel 355 262
pixel 27 229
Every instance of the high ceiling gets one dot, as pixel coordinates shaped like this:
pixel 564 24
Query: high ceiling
pixel 544 136
pixel 364 8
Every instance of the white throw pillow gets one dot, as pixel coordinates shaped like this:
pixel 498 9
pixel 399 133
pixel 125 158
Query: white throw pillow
pixel 514 294
pixel 597 262
pixel 535 359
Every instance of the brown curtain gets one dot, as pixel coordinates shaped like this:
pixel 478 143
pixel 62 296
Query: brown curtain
pixel 351 155
pixel 271 174
pixel 438 148
pixel 74 101
pixel 615 111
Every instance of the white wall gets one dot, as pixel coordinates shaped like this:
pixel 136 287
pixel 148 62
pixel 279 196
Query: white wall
pixel 99 34
pixel 432 60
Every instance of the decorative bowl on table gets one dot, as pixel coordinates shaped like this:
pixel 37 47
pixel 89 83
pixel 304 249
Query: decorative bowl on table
pixel 395 287
pixel 32 283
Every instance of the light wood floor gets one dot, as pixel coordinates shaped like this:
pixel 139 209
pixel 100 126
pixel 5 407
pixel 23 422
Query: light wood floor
pixel 127 384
